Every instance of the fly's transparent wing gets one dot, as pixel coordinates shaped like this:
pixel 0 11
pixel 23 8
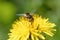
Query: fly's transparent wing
pixel 24 14
pixel 33 12
pixel 20 14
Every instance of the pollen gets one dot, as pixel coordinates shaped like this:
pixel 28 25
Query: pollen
pixel 22 29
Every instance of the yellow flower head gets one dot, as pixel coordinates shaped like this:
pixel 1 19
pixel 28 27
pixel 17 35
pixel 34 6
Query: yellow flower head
pixel 23 29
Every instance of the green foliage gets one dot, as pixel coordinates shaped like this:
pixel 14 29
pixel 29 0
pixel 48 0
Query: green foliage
pixel 7 11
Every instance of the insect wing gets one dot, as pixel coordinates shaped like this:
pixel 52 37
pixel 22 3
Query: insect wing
pixel 20 14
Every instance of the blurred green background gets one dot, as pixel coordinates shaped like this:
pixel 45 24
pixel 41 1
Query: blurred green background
pixel 46 8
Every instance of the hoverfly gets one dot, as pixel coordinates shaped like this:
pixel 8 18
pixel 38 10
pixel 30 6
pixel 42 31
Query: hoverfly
pixel 27 15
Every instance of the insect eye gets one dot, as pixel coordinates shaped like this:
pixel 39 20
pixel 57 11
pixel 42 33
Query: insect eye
pixel 27 13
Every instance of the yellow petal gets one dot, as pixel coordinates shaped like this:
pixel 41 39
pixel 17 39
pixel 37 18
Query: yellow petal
pixel 49 33
pixel 36 38
pixel 39 35
pixel 32 37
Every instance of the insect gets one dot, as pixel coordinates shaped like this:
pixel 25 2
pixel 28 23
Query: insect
pixel 27 15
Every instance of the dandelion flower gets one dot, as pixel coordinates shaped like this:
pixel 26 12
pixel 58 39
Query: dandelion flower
pixel 22 29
